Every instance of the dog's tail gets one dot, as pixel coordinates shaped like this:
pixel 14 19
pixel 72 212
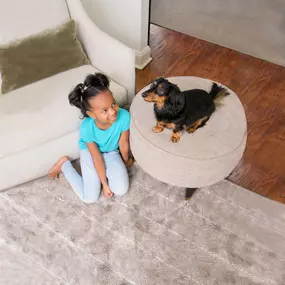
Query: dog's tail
pixel 218 93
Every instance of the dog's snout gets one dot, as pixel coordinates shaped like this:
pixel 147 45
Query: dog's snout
pixel 144 94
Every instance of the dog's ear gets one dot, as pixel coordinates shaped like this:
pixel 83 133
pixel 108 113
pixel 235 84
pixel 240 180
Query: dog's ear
pixel 162 89
pixel 157 81
pixel 176 99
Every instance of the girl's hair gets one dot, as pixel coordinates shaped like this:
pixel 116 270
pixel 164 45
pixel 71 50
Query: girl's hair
pixel 92 86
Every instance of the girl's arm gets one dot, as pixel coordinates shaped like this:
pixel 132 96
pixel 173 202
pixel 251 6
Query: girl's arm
pixel 100 167
pixel 124 146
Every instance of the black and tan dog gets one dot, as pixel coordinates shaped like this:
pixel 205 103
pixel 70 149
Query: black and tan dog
pixel 179 111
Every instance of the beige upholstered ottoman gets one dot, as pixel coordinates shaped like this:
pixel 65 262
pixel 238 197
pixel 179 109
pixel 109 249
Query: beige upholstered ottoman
pixel 200 159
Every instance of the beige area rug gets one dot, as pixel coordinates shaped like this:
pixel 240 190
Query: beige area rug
pixel 223 235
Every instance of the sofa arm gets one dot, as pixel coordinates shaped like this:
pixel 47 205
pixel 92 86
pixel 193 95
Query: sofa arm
pixel 105 53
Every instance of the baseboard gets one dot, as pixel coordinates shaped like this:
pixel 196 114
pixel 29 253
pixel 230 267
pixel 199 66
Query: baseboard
pixel 143 58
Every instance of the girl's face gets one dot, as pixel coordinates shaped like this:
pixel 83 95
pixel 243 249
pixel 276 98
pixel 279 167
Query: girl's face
pixel 103 108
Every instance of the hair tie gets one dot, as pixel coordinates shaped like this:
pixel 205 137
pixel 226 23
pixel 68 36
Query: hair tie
pixel 83 88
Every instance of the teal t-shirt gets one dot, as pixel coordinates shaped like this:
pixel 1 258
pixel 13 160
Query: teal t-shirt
pixel 106 140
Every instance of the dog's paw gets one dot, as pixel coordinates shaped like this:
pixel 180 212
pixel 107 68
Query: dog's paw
pixel 175 139
pixel 157 129
pixel 191 130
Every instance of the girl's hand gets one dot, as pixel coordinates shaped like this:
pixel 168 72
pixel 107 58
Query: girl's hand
pixel 107 192
pixel 129 162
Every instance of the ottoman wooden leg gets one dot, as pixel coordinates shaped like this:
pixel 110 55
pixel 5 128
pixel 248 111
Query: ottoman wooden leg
pixel 189 193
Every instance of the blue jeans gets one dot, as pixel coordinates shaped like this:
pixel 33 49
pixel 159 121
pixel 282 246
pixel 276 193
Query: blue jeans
pixel 88 187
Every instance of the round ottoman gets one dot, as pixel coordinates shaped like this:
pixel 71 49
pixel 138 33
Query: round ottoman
pixel 200 159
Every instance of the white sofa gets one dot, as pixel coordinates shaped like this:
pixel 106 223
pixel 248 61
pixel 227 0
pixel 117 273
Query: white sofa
pixel 37 124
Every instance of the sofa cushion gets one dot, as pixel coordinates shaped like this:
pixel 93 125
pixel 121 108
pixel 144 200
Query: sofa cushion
pixel 40 112
pixel 18 18
pixel 40 55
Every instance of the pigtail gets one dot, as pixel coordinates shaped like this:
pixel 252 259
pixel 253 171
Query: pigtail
pixel 97 80
pixel 75 96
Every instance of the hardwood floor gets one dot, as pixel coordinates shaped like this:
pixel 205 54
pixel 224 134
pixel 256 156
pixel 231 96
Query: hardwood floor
pixel 260 86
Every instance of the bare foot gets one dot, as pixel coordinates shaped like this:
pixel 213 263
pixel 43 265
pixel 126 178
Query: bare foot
pixel 56 169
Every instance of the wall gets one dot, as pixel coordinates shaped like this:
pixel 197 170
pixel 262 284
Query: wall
pixel 125 20
pixel 255 27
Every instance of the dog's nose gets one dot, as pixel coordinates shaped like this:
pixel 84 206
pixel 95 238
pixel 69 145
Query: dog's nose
pixel 144 94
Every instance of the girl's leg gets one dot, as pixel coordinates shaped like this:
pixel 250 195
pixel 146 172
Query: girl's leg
pixel 88 186
pixel 116 173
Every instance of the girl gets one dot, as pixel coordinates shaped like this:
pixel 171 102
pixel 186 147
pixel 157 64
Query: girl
pixel 104 135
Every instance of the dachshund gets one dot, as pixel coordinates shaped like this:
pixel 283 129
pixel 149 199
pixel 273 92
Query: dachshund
pixel 187 110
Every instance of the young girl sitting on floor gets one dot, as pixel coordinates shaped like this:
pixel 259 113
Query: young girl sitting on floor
pixel 104 142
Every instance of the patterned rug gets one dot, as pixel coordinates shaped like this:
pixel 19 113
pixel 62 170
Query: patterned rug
pixel 223 235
